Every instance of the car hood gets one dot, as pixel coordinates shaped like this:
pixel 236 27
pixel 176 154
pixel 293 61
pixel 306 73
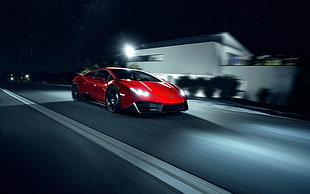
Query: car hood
pixel 160 90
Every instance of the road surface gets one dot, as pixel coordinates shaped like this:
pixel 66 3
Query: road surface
pixel 51 144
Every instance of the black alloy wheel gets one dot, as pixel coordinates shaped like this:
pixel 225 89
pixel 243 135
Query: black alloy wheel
pixel 113 100
pixel 75 92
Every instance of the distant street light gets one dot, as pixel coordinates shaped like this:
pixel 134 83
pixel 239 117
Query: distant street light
pixel 129 51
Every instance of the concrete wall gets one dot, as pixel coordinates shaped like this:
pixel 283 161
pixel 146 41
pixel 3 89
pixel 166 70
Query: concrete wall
pixel 278 79
pixel 200 58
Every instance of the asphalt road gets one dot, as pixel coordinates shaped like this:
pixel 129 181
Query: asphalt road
pixel 238 150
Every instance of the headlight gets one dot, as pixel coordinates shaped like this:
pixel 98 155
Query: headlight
pixel 140 92
pixel 182 92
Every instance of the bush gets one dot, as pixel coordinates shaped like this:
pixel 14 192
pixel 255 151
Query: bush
pixel 184 82
pixel 209 88
pixel 226 84
pixel 192 85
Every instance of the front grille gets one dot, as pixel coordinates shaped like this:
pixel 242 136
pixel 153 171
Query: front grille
pixel 145 106
pixel 175 107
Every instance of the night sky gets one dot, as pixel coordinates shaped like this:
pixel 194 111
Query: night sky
pixel 59 35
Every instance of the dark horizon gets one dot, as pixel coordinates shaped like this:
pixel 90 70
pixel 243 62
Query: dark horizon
pixel 57 36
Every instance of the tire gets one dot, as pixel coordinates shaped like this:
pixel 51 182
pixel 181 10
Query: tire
pixel 75 92
pixel 113 100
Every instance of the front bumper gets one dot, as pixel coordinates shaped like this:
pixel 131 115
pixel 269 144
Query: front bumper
pixel 149 107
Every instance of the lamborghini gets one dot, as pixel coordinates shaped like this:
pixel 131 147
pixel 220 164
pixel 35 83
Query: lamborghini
pixel 121 89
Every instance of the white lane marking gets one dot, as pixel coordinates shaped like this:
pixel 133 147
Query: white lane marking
pixel 175 177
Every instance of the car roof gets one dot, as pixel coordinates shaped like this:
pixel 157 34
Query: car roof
pixel 116 68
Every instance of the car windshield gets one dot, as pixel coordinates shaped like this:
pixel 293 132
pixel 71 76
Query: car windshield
pixel 134 75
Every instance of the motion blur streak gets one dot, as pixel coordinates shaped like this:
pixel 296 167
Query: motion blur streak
pixel 289 133
pixel 177 178
pixel 274 155
pixel 57 96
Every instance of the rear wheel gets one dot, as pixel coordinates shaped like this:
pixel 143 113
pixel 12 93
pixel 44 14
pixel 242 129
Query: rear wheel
pixel 75 92
pixel 113 100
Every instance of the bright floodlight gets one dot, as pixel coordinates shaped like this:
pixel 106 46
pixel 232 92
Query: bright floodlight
pixel 129 51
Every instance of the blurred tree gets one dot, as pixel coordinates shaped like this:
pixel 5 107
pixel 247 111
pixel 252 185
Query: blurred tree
pixel 115 64
pixel 134 66
pixel 200 81
pixel 192 85
pixel 209 88
pixel 226 84
pixel 184 82
pixel 229 89
pixel 89 66
pixel 187 83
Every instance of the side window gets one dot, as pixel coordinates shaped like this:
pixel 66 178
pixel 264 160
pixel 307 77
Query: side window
pixel 95 74
pixel 109 76
pixel 99 74
pixel 103 74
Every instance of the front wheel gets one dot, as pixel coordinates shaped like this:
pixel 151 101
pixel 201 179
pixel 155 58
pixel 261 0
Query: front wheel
pixel 113 100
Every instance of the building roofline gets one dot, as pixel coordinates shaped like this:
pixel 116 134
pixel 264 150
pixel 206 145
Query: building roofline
pixel 186 40
pixel 217 37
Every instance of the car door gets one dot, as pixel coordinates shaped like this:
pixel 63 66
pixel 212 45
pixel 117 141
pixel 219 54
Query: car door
pixel 85 85
pixel 90 84
pixel 100 85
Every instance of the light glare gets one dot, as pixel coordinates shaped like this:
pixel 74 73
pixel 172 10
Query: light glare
pixel 129 51
pixel 182 92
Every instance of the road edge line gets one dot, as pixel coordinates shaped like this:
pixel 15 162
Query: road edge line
pixel 167 173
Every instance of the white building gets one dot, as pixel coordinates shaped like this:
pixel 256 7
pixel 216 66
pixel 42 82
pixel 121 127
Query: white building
pixel 215 55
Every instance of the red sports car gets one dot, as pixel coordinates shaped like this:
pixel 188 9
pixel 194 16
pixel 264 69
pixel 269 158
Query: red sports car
pixel 128 89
